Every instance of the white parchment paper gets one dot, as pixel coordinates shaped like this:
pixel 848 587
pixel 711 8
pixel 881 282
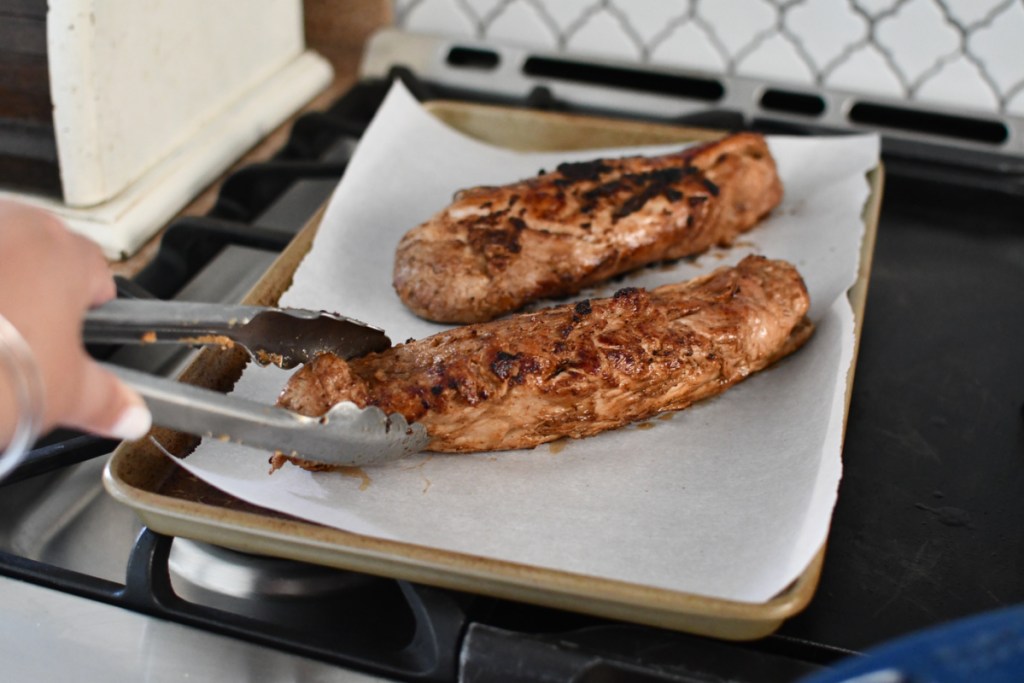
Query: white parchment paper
pixel 730 498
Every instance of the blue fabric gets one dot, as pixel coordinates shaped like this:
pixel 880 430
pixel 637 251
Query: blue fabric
pixel 988 648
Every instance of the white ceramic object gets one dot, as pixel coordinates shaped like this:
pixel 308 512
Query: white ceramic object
pixel 154 99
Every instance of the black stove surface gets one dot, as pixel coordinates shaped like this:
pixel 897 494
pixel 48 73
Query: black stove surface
pixel 926 525
pixel 926 528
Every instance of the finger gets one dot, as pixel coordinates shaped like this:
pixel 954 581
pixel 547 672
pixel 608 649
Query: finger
pixel 104 290
pixel 101 285
pixel 108 407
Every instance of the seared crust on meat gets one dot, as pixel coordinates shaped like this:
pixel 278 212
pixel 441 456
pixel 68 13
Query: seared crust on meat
pixel 577 369
pixel 495 249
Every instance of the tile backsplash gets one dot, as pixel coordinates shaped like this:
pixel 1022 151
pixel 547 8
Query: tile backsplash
pixel 964 54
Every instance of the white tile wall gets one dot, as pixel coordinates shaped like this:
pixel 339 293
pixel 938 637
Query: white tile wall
pixel 968 54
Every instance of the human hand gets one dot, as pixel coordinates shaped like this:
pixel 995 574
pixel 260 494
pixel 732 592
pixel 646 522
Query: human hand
pixel 49 278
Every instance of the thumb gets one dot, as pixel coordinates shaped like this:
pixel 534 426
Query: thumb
pixel 108 407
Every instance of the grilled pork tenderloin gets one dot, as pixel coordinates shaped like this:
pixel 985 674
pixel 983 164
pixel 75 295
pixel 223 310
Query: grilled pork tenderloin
pixel 496 249
pixel 573 370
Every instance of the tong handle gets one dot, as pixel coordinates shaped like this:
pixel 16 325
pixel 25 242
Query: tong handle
pixel 125 321
pixel 282 336
pixel 346 436
pixel 194 410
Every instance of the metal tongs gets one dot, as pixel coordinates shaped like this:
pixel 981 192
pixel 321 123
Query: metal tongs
pixel 346 435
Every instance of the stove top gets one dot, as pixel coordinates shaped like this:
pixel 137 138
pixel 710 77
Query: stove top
pixel 924 530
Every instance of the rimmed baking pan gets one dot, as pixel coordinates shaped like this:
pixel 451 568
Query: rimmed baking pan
pixel 169 501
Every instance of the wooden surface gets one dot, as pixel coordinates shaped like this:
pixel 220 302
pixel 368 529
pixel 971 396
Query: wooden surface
pixel 24 79
pixel 28 150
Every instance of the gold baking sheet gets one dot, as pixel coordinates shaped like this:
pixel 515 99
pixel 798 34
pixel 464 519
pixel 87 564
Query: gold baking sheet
pixel 171 502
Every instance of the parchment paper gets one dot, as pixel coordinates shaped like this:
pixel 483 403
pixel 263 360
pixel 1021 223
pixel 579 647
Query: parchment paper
pixel 730 498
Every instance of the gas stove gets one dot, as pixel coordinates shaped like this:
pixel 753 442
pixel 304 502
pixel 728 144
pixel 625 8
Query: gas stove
pixel 924 530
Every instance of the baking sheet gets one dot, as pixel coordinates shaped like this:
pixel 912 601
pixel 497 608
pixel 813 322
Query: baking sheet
pixel 729 499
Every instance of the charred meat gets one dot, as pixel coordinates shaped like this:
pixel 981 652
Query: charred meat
pixel 578 369
pixel 496 249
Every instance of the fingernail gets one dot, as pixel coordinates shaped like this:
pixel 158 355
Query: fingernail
pixel 134 423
